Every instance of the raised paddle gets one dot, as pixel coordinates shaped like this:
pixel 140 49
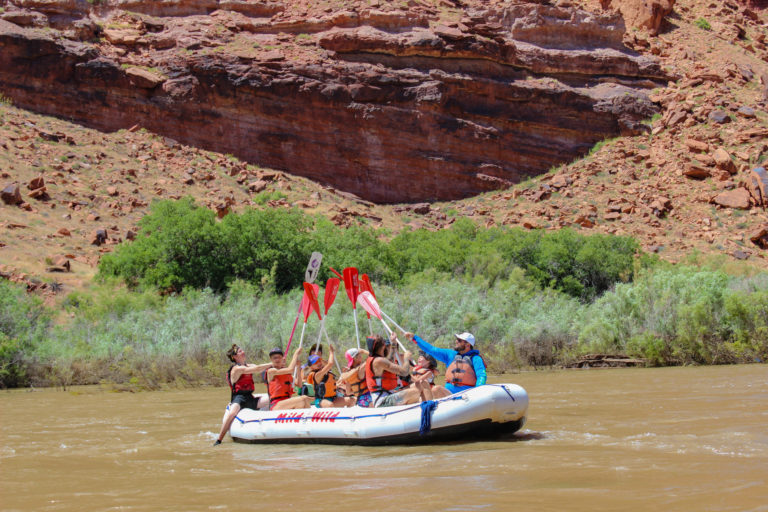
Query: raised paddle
pixel 310 290
pixel 365 286
pixel 368 302
pixel 309 276
pixel 331 289
pixel 352 287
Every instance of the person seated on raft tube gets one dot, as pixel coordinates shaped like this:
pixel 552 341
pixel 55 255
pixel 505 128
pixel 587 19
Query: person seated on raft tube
pixel 322 379
pixel 280 383
pixel 423 376
pixel 354 378
pixel 466 369
pixel 241 385
pixel 381 375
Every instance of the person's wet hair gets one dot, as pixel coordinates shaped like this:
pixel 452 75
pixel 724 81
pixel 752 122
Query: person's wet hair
pixel 378 341
pixel 232 352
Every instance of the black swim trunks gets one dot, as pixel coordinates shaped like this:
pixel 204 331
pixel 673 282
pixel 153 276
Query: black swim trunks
pixel 246 401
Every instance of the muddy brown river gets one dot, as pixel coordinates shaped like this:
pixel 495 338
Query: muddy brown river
pixel 636 439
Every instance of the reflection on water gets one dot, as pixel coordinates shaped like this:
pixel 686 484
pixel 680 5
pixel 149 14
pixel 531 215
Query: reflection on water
pixel 637 439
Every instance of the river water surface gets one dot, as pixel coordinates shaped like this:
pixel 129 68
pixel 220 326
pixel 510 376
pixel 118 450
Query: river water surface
pixel 634 439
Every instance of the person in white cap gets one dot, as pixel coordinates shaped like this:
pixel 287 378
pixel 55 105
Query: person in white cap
pixel 466 369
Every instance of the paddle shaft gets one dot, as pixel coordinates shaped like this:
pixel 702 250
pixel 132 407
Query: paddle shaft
pixel 295 323
pixel 357 333
pixel 395 323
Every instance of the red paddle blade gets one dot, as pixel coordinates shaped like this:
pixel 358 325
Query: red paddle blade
pixel 365 285
pixel 368 301
pixel 311 291
pixel 331 289
pixel 306 307
pixel 352 285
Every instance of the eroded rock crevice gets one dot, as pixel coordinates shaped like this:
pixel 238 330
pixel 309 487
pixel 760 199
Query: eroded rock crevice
pixel 392 105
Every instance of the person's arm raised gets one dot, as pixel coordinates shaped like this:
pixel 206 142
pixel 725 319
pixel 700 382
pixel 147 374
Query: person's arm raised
pixel 320 375
pixel 402 370
pixel 273 372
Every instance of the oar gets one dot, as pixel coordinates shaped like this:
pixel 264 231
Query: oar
pixel 352 287
pixel 365 286
pixel 368 302
pixel 310 290
pixel 331 289
pixel 309 276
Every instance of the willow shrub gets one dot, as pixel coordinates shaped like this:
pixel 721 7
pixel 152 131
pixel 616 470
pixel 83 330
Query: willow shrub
pixel 182 245
pixel 682 315
pixel 23 323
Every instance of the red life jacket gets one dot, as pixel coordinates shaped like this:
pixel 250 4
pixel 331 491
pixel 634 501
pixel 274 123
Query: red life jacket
pixel 243 386
pixel 386 382
pixel 461 372
pixel 419 370
pixel 280 387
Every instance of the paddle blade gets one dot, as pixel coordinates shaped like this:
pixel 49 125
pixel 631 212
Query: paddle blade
pixel 306 307
pixel 313 268
pixel 369 304
pixel 352 285
pixel 331 289
pixel 311 290
pixel 365 285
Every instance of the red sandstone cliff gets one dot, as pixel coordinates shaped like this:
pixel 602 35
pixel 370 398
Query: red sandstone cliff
pixel 392 105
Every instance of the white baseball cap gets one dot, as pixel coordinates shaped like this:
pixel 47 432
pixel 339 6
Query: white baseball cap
pixel 468 337
pixel 350 355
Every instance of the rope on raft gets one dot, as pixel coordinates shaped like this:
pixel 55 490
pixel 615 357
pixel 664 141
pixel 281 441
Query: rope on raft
pixel 427 408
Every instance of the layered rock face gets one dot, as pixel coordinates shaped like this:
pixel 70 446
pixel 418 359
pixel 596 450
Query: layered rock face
pixel 392 105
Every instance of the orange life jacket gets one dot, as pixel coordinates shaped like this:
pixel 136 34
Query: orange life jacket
pixel 243 386
pixel 461 372
pixel 356 385
pixel 280 387
pixel 386 382
pixel 329 381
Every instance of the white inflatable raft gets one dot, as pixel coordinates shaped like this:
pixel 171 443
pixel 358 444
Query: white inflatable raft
pixel 480 412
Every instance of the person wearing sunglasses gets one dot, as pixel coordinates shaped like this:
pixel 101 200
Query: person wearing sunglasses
pixel 466 368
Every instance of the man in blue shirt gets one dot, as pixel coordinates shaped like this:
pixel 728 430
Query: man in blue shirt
pixel 466 368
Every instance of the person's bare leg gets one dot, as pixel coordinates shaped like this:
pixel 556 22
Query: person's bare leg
pixel 297 402
pixel 228 419
pixel 440 392
pixel 426 391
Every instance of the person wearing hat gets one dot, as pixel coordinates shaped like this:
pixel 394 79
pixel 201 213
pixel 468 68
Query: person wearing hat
pixel 280 383
pixel 241 385
pixel 323 380
pixel 466 369
pixel 354 378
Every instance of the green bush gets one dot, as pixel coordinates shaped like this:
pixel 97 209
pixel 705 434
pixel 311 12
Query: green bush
pixel 703 24
pixel 182 245
pixel 23 323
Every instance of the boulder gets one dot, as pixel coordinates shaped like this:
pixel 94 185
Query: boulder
pixel 736 198
pixel 757 185
pixel 759 237
pixel 11 195
pixel 123 36
pixel 144 78
pixel 723 160
pixel 642 13
pixel 64 232
pixel 697 146
pixel 36 183
pixel 25 18
pixel 99 237
pixel 719 117
pixel 695 172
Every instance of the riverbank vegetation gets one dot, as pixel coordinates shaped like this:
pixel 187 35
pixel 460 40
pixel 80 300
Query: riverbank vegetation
pixel 168 305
